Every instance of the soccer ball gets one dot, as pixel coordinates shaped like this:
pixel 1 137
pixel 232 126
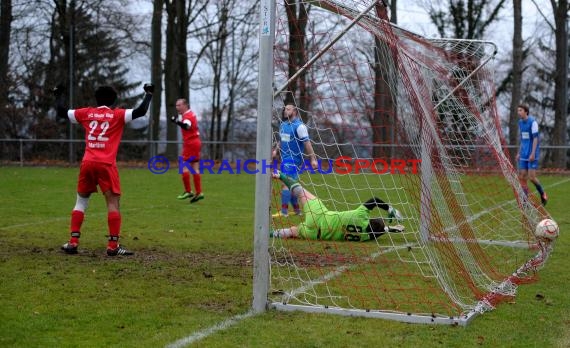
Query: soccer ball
pixel 547 228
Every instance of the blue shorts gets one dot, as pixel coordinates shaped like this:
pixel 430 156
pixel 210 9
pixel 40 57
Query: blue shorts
pixel 526 164
pixel 290 169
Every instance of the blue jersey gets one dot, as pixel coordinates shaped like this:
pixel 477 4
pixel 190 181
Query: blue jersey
pixel 293 135
pixel 528 130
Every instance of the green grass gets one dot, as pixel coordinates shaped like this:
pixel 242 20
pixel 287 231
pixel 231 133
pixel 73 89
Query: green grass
pixel 193 270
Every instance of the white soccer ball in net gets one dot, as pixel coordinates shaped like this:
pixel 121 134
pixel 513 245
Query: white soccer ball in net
pixel 547 228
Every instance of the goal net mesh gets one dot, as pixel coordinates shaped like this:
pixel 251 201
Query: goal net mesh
pixel 412 121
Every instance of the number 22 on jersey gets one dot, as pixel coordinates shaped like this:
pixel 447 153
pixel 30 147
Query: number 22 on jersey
pixel 97 130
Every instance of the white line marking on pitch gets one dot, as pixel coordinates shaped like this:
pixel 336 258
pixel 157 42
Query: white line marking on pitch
pixel 212 329
pixel 234 320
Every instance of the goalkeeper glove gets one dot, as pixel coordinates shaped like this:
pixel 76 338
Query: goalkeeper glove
pixel 148 88
pixel 174 119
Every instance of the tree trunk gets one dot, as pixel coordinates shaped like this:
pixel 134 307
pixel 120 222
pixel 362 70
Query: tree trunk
pixel 301 58
pixel 217 67
pixel 383 106
pixel 182 51
pixel 393 11
pixel 297 18
pixel 170 80
pixel 5 30
pixel 156 72
pixel 382 118
pixel 176 67
pixel 516 77
pixel 559 137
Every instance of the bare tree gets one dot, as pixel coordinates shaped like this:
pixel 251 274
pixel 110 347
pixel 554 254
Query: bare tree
pixel 517 71
pixel 297 19
pixel 177 73
pixel 549 62
pixel 44 49
pixel 156 68
pixel 217 52
pixel 384 109
pixel 463 19
pixel 241 80
pixel 229 60
pixel 560 135
pixel 394 11
pixel 5 30
pixel 176 64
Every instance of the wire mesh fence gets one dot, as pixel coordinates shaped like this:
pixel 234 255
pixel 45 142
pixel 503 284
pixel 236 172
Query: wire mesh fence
pixel 29 152
pixel 63 152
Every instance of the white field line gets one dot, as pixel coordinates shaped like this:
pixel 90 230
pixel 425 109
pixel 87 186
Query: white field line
pixel 341 269
pixel 234 320
pixel 228 322
pixel 212 329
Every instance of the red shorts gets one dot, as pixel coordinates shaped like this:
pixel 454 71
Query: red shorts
pixel 92 174
pixel 192 150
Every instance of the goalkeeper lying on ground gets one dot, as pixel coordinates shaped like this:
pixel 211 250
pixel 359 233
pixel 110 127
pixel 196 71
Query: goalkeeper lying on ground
pixel 323 224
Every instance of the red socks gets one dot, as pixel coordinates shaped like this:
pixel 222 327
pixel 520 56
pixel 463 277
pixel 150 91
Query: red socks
pixel 114 222
pixel 186 181
pixel 197 183
pixel 76 222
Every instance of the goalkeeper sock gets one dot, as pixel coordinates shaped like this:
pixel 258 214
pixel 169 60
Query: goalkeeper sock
pixel 197 183
pixel 114 222
pixel 186 182
pixel 539 188
pixel 285 198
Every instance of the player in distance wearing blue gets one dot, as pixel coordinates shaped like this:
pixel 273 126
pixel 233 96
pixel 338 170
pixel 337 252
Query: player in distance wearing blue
pixel 529 152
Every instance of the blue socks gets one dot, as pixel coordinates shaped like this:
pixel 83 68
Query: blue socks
pixel 539 189
pixel 285 198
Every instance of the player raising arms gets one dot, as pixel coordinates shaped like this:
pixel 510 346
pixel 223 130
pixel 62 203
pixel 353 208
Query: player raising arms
pixel 103 131
pixel 323 224
pixel 191 148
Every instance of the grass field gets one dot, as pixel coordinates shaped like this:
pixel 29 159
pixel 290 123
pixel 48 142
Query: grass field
pixel 192 275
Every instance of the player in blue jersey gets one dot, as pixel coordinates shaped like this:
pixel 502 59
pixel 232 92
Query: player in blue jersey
pixel 529 152
pixel 293 142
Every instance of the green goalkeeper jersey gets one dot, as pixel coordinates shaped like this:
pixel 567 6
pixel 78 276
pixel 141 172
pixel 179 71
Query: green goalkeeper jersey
pixel 323 224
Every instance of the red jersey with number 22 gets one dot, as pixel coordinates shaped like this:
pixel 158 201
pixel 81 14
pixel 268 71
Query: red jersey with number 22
pixel 103 131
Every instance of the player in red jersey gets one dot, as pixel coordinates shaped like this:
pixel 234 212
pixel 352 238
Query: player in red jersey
pixel 103 131
pixel 190 150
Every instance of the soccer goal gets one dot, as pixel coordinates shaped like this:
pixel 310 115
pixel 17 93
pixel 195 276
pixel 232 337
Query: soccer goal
pixel 413 121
